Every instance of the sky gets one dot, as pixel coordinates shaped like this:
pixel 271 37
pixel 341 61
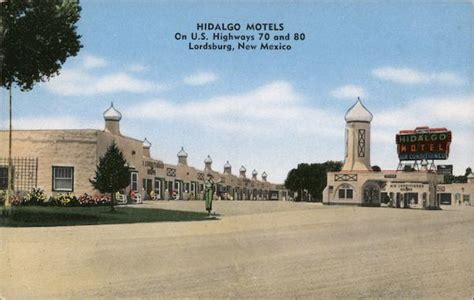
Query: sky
pixel 411 63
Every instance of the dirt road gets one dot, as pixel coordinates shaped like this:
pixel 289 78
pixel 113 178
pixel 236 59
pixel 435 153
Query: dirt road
pixel 256 249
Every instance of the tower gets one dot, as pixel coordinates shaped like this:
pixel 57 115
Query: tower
pixel 357 135
pixel 112 119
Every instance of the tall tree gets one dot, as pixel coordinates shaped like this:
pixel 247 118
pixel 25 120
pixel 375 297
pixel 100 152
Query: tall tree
pixel 36 39
pixel 112 173
pixel 40 36
pixel 311 177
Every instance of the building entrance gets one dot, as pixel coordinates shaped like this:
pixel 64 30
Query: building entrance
pixel 371 195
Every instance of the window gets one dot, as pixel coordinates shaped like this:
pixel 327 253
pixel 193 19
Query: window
pixel 349 193
pixel 134 181
pixel 466 198
pixel 63 179
pixel 342 194
pixel 3 178
pixel 345 192
pixel 361 143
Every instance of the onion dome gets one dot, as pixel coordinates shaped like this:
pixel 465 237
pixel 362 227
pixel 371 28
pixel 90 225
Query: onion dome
pixel 358 113
pixel 146 143
pixel 182 153
pixel 111 114
pixel 208 160
pixel 264 174
pixel 227 165
pixel 254 172
pixel 242 169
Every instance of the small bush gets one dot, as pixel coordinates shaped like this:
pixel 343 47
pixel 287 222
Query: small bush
pixel 65 199
pixel 35 197
pixel 89 200
pixel 15 200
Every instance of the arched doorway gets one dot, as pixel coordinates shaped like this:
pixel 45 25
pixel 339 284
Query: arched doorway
pixel 371 194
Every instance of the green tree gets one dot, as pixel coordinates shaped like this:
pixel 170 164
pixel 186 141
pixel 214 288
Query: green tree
pixel 376 168
pixel 311 177
pixel 468 172
pixel 36 39
pixel 39 37
pixel 112 173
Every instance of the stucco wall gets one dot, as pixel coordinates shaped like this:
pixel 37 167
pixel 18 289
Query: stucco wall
pixel 76 148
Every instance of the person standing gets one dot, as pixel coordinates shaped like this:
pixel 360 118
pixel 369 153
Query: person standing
pixel 209 193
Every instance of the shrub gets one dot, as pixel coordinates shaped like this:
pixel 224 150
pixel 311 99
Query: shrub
pixel 89 200
pixel 35 197
pixel 85 200
pixel 15 200
pixel 65 199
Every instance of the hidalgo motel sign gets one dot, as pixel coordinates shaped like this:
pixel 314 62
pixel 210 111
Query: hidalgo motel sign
pixel 423 143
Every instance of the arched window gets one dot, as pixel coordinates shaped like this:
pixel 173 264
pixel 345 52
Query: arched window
pixel 345 192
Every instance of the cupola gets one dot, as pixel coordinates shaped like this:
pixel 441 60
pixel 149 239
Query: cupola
pixel 146 148
pixel 112 119
pixel 227 168
pixel 264 176
pixel 242 171
pixel 358 113
pixel 182 157
pixel 254 174
pixel 208 163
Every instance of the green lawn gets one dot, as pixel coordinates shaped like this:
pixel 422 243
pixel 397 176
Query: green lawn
pixel 35 216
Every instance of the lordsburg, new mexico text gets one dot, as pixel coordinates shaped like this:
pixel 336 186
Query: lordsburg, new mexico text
pixel 424 145
pixel 235 36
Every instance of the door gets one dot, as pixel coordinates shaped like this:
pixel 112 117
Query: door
pixel 178 186
pixel 158 188
pixel 371 195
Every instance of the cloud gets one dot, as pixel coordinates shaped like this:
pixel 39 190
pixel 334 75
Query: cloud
pixel 349 92
pixel 200 78
pixel 452 112
pixel 91 61
pixel 85 80
pixel 437 111
pixel 138 68
pixel 269 109
pixel 412 76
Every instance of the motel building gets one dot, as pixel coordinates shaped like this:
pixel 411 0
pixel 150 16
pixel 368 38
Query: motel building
pixel 65 160
pixel 358 184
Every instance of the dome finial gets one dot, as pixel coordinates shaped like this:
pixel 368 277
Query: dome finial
pixel 208 159
pixel 182 153
pixel 358 113
pixel 112 114
pixel 146 143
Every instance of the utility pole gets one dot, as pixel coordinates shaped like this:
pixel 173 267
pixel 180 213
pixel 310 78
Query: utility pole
pixel 3 30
